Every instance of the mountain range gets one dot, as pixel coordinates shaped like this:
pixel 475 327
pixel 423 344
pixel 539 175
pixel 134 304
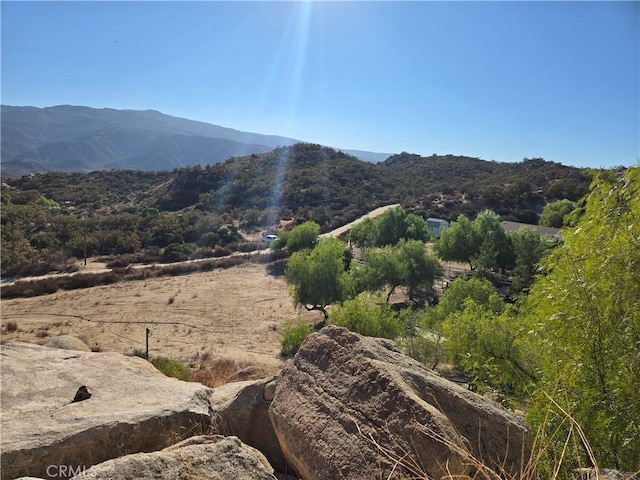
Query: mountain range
pixel 70 138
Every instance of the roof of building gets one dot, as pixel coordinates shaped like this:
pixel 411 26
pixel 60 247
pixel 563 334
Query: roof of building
pixel 437 220
pixel 510 226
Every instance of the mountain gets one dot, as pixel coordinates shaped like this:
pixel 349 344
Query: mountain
pixel 80 139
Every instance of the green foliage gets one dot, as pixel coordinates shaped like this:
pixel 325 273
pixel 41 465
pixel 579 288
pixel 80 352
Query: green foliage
pixel 172 367
pixel 528 247
pixel 383 268
pixel 489 342
pixel 495 250
pixel 303 237
pixel 407 264
pixel 176 252
pixel 477 289
pixel 318 277
pixel 48 203
pixel 392 226
pixel 483 243
pixel 364 233
pixel 459 242
pixel 553 213
pixel 421 269
pixel 292 336
pixel 586 316
pixel 362 316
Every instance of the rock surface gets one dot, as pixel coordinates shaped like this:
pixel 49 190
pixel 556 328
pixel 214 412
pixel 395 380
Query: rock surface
pixel 203 457
pixel 133 408
pixel 68 342
pixel 242 409
pixel 249 373
pixel 350 406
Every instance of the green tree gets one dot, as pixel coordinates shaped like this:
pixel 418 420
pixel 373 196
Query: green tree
pixel 553 213
pixel 362 316
pixel 586 314
pixel 392 226
pixel 528 247
pixel 363 234
pixel 459 243
pixel 396 224
pixel 477 289
pixel 421 269
pixel 303 237
pixel 318 277
pixel 383 268
pixel 489 341
pixel 495 250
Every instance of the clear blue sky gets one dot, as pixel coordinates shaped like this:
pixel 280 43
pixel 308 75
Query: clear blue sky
pixel 497 80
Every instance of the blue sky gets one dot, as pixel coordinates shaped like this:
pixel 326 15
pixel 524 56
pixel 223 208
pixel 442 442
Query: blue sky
pixel 497 80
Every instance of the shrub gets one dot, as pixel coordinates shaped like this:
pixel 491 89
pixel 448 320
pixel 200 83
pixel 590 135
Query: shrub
pixel 172 367
pixel 293 336
pixel 176 252
pixel 362 316
pixel 11 326
pixel 139 352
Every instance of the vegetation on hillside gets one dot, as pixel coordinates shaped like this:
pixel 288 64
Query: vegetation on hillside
pixel 49 219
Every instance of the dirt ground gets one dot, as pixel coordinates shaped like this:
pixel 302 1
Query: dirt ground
pixel 232 314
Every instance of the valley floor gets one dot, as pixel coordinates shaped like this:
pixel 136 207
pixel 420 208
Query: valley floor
pixel 233 313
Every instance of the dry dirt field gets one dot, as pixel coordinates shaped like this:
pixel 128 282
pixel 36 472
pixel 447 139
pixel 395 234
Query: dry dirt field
pixel 233 314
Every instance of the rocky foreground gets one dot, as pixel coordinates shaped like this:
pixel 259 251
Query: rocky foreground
pixel 347 406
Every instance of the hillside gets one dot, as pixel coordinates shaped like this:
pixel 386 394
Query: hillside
pixel 47 219
pixel 81 139
pixel 316 182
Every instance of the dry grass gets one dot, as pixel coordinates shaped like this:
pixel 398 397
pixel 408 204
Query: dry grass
pixel 233 313
pixel 216 372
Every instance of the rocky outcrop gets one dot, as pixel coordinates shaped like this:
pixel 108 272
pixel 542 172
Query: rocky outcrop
pixel 354 407
pixel 242 409
pixel 133 408
pixel 203 457
pixel 68 342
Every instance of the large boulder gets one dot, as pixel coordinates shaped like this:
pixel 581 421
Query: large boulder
pixel 242 409
pixel 68 342
pixel 132 408
pixel 205 457
pixel 355 407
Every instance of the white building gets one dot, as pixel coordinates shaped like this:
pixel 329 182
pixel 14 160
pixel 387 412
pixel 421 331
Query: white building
pixel 437 226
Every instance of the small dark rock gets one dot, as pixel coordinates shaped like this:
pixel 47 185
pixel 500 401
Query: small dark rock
pixel 81 394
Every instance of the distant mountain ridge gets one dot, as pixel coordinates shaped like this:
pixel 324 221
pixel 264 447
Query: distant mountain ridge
pixel 80 139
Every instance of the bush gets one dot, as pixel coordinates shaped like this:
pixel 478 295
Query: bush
pixel 362 316
pixel 172 367
pixel 293 336
pixel 11 326
pixel 176 252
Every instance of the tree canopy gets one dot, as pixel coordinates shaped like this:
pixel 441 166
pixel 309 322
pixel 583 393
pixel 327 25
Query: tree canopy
pixel 586 314
pixel 318 277
pixel 554 212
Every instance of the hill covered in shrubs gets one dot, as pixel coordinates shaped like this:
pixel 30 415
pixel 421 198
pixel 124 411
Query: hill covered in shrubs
pixel 51 217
